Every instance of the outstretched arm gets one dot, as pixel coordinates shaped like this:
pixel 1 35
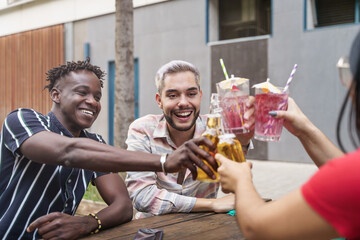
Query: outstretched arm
pixel 51 148
pixel 316 144
pixel 289 217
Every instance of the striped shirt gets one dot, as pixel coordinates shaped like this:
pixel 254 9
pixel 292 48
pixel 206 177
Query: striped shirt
pixel 153 193
pixel 29 189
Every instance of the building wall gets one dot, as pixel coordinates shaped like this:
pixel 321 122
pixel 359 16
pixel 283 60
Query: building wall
pixel 244 58
pixel 99 33
pixel 316 86
pixel 25 15
pixel 168 31
pixel 157 40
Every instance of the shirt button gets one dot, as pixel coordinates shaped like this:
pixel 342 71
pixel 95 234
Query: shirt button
pixel 69 181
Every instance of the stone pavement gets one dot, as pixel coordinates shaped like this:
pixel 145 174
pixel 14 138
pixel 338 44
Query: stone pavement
pixel 274 179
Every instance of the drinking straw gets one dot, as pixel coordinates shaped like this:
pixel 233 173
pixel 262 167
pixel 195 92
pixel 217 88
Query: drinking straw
pixel 223 68
pixel 290 78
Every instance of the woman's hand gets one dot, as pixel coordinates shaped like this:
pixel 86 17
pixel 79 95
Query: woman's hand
pixel 231 173
pixel 296 121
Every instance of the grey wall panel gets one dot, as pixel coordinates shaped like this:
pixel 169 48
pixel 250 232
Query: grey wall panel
pixel 243 59
pixel 168 31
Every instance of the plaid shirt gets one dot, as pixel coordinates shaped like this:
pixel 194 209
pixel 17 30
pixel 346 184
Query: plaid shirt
pixel 153 193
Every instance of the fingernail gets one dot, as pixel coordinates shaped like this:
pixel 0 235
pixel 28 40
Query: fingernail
pixel 273 113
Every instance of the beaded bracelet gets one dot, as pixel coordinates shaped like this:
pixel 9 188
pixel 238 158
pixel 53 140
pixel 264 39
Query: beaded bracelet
pixel 98 221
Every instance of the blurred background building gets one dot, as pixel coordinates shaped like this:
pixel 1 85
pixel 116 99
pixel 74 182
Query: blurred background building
pixel 256 38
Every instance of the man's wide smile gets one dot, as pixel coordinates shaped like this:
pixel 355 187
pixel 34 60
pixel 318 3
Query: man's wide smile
pixel 88 112
pixel 183 114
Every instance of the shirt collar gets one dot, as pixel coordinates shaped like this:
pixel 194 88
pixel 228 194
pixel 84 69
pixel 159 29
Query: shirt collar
pixel 161 131
pixel 60 128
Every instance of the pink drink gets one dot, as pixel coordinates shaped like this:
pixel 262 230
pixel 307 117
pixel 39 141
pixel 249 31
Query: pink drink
pixel 233 95
pixel 233 112
pixel 268 128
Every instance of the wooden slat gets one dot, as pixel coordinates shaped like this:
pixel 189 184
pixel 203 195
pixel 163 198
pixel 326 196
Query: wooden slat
pixel 24 59
pixel 178 226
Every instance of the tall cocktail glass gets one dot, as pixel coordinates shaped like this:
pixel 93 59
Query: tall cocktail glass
pixel 233 95
pixel 268 128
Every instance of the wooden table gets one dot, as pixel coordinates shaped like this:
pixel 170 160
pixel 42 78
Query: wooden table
pixel 178 226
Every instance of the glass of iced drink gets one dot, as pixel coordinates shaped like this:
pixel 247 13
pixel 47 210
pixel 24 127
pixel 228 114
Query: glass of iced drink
pixel 268 128
pixel 233 95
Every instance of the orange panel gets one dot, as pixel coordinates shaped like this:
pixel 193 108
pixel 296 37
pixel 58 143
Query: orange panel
pixel 24 59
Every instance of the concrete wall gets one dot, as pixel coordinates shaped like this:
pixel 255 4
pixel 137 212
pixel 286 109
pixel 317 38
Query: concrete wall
pixel 25 15
pixel 245 58
pixel 99 32
pixel 43 13
pixel 168 31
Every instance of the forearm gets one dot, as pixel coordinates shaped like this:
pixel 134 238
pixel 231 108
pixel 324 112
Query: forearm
pixel 203 205
pixel 115 214
pixel 247 204
pixel 85 153
pixel 160 201
pixel 218 205
pixel 318 146
pixel 100 157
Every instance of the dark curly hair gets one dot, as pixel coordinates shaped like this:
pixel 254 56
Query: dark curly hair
pixel 352 97
pixel 56 73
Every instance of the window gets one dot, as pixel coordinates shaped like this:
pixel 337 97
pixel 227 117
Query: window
pixel 240 18
pixel 322 13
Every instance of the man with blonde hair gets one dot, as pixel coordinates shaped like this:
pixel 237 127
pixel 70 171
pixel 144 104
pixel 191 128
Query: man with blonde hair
pixel 155 193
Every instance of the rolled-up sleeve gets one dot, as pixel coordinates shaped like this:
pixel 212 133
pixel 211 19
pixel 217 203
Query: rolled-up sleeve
pixel 153 192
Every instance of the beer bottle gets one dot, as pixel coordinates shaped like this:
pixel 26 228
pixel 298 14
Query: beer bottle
pixel 213 130
pixel 230 147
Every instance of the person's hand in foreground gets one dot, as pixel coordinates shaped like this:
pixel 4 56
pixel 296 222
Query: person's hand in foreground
pixel 62 226
pixel 317 145
pixel 296 121
pixel 232 172
pixel 289 217
pixel 188 156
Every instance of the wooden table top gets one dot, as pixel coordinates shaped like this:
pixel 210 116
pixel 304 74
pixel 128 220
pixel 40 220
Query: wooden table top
pixel 207 226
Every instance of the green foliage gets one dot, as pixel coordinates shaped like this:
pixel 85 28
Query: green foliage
pixel 92 194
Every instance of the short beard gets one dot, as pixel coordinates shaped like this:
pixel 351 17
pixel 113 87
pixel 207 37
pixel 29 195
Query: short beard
pixel 173 125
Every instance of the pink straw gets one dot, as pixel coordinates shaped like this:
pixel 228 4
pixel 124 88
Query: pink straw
pixel 290 78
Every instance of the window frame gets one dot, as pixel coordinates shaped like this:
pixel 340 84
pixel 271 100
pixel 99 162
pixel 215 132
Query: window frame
pixel 207 26
pixel 310 12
